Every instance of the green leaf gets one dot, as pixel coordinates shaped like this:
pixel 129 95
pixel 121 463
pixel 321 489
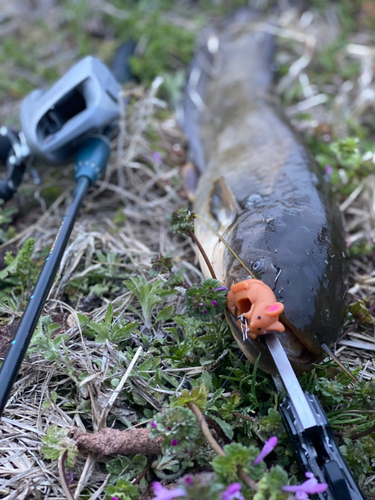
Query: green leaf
pixel 182 221
pixel 125 468
pixel 206 300
pixel 108 315
pixel 226 428
pixel 206 380
pixel 82 318
pixel 236 454
pixel 179 428
pixel 197 395
pixel 270 485
pixel 123 490
pixel 120 333
pixel 148 294
pixel 55 442
pixel 165 314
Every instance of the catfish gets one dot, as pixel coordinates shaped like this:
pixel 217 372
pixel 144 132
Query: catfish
pixel 263 192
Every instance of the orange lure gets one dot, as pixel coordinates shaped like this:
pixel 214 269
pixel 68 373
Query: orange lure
pixel 254 305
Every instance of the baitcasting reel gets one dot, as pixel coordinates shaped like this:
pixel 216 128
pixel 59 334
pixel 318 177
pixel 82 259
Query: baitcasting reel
pixel 54 123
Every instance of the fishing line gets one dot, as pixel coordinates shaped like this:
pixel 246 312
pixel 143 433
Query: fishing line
pixel 225 243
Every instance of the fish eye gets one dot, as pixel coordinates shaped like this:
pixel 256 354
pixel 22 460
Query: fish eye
pixel 258 265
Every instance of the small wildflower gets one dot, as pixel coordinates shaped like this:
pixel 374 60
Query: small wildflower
pixel 160 265
pixel 169 428
pixel 153 424
pixel 232 492
pixel 156 156
pixel 220 288
pixel 189 480
pixel 114 498
pixel 174 442
pixel 309 487
pixel 182 221
pixel 207 300
pixel 267 448
pixel 165 494
pixel 328 170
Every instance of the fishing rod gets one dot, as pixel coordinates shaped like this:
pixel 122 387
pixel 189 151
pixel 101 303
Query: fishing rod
pixel 75 118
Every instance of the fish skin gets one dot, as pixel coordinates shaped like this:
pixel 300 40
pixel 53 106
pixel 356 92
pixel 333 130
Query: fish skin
pixel 285 218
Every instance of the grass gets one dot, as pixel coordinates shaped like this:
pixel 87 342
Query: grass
pixel 113 296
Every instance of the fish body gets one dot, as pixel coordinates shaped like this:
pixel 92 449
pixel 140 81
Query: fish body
pixel 262 190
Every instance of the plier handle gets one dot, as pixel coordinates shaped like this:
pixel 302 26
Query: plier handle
pixel 310 432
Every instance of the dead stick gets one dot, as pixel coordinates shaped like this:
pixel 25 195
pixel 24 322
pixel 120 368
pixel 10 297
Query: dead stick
pixel 215 445
pixel 144 471
pixel 245 417
pixel 246 479
pixel 114 442
pixel 204 255
pixel 363 433
pixel 206 431
pixel 63 479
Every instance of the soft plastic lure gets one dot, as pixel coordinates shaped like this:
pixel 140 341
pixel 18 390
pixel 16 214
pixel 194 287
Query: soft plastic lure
pixel 254 305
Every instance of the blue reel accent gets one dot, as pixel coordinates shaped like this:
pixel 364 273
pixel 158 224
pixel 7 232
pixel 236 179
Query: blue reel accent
pixel 92 158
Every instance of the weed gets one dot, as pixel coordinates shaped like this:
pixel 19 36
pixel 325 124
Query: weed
pixel 20 274
pixel 149 296
pixel 51 347
pixel 110 329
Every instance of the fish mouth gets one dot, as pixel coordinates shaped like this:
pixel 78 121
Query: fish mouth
pixel 300 357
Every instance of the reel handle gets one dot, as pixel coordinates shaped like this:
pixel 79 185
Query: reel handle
pixel 14 154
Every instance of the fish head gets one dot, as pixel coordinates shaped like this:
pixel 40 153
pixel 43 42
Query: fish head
pixel 295 257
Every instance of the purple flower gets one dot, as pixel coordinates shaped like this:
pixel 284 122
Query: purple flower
pixel 220 288
pixel 71 477
pixel 232 492
pixel 156 156
pixel 164 494
pixel 189 480
pixel 214 302
pixel 205 312
pixel 309 487
pixel 328 170
pixel 114 498
pixel 174 442
pixel 153 424
pixel 201 304
pixel 267 448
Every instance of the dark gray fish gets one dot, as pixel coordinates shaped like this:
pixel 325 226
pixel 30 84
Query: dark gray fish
pixel 263 192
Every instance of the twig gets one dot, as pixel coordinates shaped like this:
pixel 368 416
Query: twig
pixel 245 417
pixel 84 477
pixel 246 479
pixel 215 445
pixel 62 474
pixel 203 253
pixel 364 433
pixel 139 478
pixel 206 431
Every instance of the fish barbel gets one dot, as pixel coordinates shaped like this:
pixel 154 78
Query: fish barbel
pixel 263 191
